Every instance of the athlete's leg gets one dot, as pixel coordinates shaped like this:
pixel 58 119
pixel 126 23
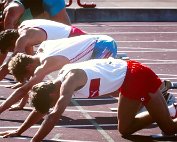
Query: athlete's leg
pixel 61 17
pixel 57 11
pixel 161 113
pixel 128 121
pixel 12 14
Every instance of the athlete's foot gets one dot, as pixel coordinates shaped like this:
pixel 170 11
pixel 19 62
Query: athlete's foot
pixel 166 135
pixel 166 85
pixel 173 110
pixel 16 107
pixel 170 99
pixel 175 116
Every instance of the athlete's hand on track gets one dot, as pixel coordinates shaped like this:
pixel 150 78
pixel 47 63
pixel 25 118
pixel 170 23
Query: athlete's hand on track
pixel 16 107
pixel 14 86
pixel 9 133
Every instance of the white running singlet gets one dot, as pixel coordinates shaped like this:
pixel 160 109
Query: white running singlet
pixel 53 30
pixel 104 76
pixel 76 49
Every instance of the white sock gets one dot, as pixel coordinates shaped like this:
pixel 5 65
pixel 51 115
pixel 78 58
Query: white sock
pixel 172 110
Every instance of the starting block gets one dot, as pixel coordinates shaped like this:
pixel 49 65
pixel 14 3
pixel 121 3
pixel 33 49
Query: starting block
pixel 122 56
pixel 164 137
pixel 173 85
pixel 114 109
pixel 84 5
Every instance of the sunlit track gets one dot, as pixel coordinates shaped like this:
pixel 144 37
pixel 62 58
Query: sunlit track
pixel 53 139
pixel 147 41
pixel 168 78
pixel 171 75
pixel 159 63
pixel 6 81
pixel 129 33
pixel 74 110
pixel 61 126
pixel 149 48
pixel 129 25
pixel 93 122
pixel 61 140
pixel 155 60
pixel 137 50
pixel 88 116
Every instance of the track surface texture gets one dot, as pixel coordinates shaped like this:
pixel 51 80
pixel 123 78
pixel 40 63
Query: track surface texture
pixel 92 120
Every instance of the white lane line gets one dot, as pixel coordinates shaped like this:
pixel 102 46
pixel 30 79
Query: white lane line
pixel 129 25
pixel 19 138
pixel 149 41
pixel 54 139
pixel 60 140
pixel 2 85
pixel 58 136
pixel 61 126
pixel 30 108
pixel 5 81
pixel 159 63
pixel 89 111
pixel 73 110
pixel 147 51
pixel 168 78
pixel 96 125
pixel 175 75
pixel 129 33
pixel 148 48
pixel 155 60
pixel 95 99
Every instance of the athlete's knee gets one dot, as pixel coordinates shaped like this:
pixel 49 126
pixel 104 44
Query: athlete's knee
pixel 169 130
pixel 124 131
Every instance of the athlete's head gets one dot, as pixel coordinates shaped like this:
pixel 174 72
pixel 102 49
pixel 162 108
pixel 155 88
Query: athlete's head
pixel 41 98
pixel 19 66
pixel 7 40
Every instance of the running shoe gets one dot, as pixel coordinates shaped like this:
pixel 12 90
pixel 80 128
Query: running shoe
pixel 166 86
pixel 175 113
pixel 170 98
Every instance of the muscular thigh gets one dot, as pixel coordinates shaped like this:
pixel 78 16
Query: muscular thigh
pixel 127 110
pixel 157 108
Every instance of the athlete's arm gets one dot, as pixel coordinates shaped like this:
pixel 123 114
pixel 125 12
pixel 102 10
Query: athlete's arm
pixel 23 90
pixel 3 69
pixel 69 85
pixel 29 38
pixel 20 105
pixel 24 44
pixel 22 41
pixel 2 58
pixel 32 118
pixel 61 17
pixel 12 13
